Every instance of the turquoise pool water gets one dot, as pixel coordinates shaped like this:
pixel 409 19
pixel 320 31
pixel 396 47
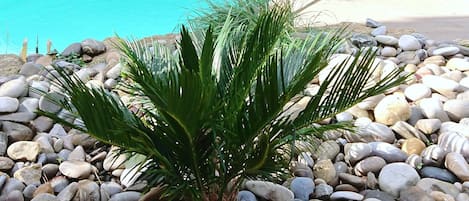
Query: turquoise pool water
pixel 67 21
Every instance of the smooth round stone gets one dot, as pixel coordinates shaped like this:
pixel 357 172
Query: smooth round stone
pixel 454 142
pixel 341 167
pixel 29 191
pixel 446 51
pixel 413 146
pixel 371 164
pixel 68 192
pixel 110 83
pixel 433 155
pixel 428 126
pixel 92 47
pixel 45 143
pixel 17 132
pixel 430 184
pixel 59 183
pixel 108 189
pixel 14 88
pixel 15 195
pixel 305 159
pixel 409 43
pixel 42 123
pixel 395 177
pixel 269 190
pixel 72 49
pixel 387 40
pixel 414 160
pixel 457 109
pixel 45 197
pixel 407 131
pixel 432 108
pixel 8 104
pixel 76 169
pixel 346 187
pixel 371 181
pixel 414 193
pixel 11 185
pixel 87 190
pixel 63 154
pixel 6 163
pixel 371 102
pixel 439 83
pixel 24 150
pixel 346 195
pixel 46 103
pixel 437 195
pixel 438 173
pixel 380 195
pixel 327 150
pixel 344 117
pixel 408 57
pixel 371 132
pixel 458 64
pixel 77 154
pixel 391 109
pixel 29 175
pixel 114 72
pixel 388 51
pixel 462 197
pixel 44 188
pixel 246 196
pixel 50 170
pixel 437 60
pixel 302 187
pixel 372 23
pixel 464 82
pixel 30 68
pixel 381 30
pixel 353 180
pixel 387 151
pixel 126 196
pixel 454 75
pixel 301 170
pixel 324 169
pixel 38 87
pixel 323 191
pixel 416 92
pixel 456 163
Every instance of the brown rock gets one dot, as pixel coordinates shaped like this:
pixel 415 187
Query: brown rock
pixel 10 64
pixel 324 169
pixel 45 60
pixel 456 163
pixel 44 188
pixel 413 146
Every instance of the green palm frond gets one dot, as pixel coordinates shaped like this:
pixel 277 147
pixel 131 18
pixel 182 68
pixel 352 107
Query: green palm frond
pixel 213 113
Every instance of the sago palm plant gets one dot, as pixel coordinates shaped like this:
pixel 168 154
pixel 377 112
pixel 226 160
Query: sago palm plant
pixel 215 112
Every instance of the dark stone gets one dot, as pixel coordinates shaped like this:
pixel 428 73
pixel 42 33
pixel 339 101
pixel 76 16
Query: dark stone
pixel 74 48
pixel 372 23
pixel 414 193
pixel 92 47
pixel 438 173
pixel 380 195
pixel 363 40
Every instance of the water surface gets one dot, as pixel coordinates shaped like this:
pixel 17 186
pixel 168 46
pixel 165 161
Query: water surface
pixel 67 21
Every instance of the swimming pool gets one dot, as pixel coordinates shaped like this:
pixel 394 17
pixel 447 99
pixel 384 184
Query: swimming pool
pixel 67 21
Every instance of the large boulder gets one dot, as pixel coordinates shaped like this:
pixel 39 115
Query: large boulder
pixel 10 64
